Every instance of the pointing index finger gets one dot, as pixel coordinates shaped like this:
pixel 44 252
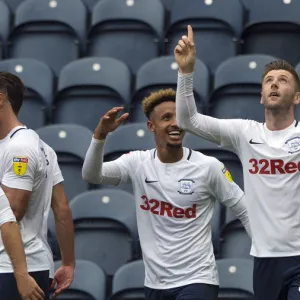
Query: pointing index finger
pixel 190 34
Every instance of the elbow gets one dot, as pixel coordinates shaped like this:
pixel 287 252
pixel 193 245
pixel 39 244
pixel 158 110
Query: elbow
pixel 19 215
pixel 90 179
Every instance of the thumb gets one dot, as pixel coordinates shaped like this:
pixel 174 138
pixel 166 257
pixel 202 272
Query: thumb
pixel 123 117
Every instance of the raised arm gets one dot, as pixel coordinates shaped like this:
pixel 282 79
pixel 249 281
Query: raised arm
pixel 94 170
pixel 220 131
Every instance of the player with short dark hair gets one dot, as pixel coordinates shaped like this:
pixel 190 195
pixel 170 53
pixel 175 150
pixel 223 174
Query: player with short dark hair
pixel 32 181
pixel 175 190
pixel 270 155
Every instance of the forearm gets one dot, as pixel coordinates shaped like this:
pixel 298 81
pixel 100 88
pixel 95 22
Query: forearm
pixel 65 236
pixel 186 112
pixel 14 247
pixel 95 171
pixel 239 209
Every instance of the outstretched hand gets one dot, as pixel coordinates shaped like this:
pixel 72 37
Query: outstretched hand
pixel 185 52
pixel 109 122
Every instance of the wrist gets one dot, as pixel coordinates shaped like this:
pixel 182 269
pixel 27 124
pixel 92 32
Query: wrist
pixel 99 135
pixel 188 70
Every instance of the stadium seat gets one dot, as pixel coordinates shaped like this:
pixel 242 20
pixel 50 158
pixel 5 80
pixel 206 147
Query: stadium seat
pixel 161 73
pixel 12 4
pixel 230 159
pixel 90 4
pixel 235 277
pixel 51 237
pixel 39 82
pixel 89 282
pixel 126 30
pixel 4 27
pixel 273 31
pixel 167 4
pixel 70 142
pixel 217 26
pixel 105 228
pixel 238 84
pixel 216 228
pixel 47 31
pixel 133 137
pixel 128 282
pixel 235 242
pixel 88 88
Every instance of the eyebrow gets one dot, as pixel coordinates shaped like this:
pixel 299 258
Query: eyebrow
pixel 281 75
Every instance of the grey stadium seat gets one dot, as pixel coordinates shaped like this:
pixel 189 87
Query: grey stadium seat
pixel 235 277
pixel 39 82
pixel 161 73
pixel 273 31
pixel 129 137
pixel 70 142
pixel 217 27
pixel 13 4
pixel 105 228
pixel 47 31
pixel 88 88
pixel 89 282
pixel 238 85
pixel 126 30
pixel 128 282
pixel 4 27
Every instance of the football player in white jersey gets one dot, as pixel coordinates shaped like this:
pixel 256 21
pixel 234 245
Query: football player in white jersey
pixel 270 155
pixel 10 232
pixel 32 181
pixel 175 191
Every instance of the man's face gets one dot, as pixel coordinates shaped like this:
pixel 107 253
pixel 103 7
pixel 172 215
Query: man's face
pixel 163 123
pixel 279 90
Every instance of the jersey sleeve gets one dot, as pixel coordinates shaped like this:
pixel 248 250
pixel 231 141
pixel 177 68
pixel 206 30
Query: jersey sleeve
pixel 222 186
pixel 224 132
pixel 57 175
pixel 20 163
pixel 6 213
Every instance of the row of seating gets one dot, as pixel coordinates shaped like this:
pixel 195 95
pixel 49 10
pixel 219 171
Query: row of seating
pixel 105 220
pixel 95 85
pixel 13 4
pixel 235 277
pixel 135 31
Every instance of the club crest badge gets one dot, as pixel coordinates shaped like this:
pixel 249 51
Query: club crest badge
pixel 293 144
pixel 186 186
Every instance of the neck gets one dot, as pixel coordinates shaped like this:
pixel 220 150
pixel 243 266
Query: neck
pixel 169 154
pixel 278 120
pixel 7 124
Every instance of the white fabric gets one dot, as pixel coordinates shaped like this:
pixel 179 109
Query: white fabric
pixel 6 214
pixel 174 204
pixel 271 168
pixel 40 175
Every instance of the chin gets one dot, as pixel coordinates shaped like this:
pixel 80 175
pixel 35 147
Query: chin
pixel 174 145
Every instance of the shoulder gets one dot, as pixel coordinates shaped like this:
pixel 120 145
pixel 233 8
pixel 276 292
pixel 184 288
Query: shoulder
pixel 140 156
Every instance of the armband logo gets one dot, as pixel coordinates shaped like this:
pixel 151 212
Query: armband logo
pixel 227 174
pixel 20 165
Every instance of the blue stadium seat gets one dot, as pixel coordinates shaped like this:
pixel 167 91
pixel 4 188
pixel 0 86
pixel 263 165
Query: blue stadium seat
pixel 70 142
pixel 127 30
pixel 235 277
pixel 47 31
pixel 105 228
pixel 126 138
pixel 227 157
pixel 39 82
pixel 88 88
pixel 273 31
pixel 12 4
pixel 217 28
pixel 161 73
pixel 238 84
pixel 128 282
pixel 167 4
pixel 90 4
pixel 89 282
pixel 4 27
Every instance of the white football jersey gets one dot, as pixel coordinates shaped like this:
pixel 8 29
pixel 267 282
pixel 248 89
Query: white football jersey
pixel 28 163
pixel 271 166
pixel 174 204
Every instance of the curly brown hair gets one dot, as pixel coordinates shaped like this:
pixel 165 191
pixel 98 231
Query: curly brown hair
pixel 157 98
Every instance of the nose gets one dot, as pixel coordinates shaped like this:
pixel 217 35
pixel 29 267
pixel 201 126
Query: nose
pixel 174 122
pixel 274 83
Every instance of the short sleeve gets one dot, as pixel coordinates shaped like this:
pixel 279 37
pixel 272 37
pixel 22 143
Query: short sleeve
pixel 19 166
pixel 57 175
pixel 225 190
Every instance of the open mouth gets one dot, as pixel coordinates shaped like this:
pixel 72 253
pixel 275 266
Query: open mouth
pixel 274 94
pixel 174 133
